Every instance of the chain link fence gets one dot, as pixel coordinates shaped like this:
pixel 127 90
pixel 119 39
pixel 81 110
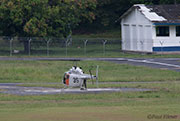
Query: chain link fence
pixel 37 46
pixel 71 47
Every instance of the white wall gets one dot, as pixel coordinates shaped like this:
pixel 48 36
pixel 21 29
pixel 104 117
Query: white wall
pixel 136 32
pixel 169 41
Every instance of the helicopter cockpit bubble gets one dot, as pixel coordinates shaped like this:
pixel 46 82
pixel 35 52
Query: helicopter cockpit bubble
pixel 66 79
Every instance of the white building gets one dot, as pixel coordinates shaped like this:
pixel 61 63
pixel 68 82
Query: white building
pixel 151 28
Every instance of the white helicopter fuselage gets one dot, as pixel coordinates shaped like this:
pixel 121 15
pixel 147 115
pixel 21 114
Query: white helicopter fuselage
pixel 76 78
pixel 75 81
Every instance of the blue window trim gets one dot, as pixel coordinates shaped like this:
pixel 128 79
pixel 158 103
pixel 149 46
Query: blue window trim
pixel 166 49
pixel 166 24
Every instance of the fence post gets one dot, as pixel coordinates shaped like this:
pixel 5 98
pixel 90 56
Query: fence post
pixel 104 46
pixel 66 46
pixel 11 40
pixel 85 43
pixel 161 42
pixel 29 46
pixel 48 46
pixel 122 46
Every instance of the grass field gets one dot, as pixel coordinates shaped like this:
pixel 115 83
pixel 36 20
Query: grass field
pixel 91 107
pixel 162 104
pixel 52 71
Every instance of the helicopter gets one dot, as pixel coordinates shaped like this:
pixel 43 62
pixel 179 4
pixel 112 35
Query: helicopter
pixel 75 77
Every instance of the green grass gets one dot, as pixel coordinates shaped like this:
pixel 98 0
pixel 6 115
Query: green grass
pixel 93 107
pixel 52 71
pixel 113 52
pixel 119 106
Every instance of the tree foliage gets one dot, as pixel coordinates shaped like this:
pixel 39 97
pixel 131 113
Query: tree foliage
pixel 57 17
pixel 108 11
pixel 43 17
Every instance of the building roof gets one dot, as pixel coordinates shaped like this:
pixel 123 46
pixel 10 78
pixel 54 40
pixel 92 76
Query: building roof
pixel 158 13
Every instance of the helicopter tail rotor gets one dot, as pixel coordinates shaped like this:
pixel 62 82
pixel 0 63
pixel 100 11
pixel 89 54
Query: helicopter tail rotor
pixel 95 77
pixel 91 75
pixel 97 71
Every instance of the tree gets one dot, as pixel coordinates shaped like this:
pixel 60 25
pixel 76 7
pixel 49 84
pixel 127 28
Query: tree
pixel 108 11
pixel 43 18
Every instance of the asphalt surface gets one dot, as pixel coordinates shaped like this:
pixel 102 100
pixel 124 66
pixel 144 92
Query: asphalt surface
pixel 161 63
pixel 12 88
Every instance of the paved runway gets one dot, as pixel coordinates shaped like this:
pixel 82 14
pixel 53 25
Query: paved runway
pixel 161 63
pixel 12 88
